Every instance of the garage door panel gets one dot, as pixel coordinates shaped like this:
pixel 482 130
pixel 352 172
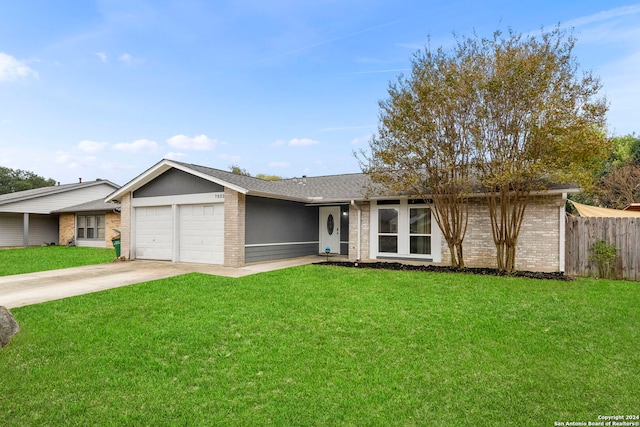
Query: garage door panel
pixel 202 233
pixel 154 234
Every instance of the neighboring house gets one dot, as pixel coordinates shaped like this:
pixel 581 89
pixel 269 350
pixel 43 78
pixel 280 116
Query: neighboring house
pixel 188 213
pixel 30 218
pixel 93 223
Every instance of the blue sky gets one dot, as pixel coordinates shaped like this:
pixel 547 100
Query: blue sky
pixel 107 88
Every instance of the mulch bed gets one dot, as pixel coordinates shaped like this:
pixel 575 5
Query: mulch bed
pixel 446 269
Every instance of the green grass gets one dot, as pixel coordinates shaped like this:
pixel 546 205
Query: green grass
pixel 322 346
pixel 30 260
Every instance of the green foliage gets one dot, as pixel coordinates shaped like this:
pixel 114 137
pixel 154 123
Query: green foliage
pixel 512 111
pixel 326 346
pixel 30 260
pixel 13 180
pixel 615 181
pixel 238 170
pixel 604 255
pixel 268 177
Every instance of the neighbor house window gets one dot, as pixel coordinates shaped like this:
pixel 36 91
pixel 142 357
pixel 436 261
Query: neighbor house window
pixel 388 230
pixel 420 231
pixel 90 227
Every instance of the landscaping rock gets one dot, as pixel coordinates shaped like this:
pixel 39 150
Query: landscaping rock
pixel 8 326
pixel 445 269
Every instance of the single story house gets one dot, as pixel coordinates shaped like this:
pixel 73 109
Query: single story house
pixel 40 216
pixel 183 212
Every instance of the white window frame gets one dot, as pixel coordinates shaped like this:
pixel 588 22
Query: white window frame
pixel 95 227
pixel 403 234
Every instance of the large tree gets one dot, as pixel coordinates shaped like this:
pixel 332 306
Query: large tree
pixel 423 143
pixel 12 180
pixel 510 114
pixel 539 121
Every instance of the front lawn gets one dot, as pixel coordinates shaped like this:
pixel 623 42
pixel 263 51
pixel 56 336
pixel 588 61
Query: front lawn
pixel 318 345
pixel 30 260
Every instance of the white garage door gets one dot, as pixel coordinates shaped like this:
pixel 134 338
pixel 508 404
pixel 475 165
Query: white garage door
pixel 202 233
pixel 154 233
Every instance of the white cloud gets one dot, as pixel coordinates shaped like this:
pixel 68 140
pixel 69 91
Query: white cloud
pixel 230 158
pixel 137 146
pixel 102 56
pixel 91 146
pixel 302 142
pixel 604 16
pixel 278 143
pixel 13 70
pixel 73 162
pixel 361 139
pixel 279 164
pixel 126 58
pixel 174 156
pixel 197 143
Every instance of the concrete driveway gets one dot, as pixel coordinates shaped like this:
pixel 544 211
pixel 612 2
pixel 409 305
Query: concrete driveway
pixel 34 288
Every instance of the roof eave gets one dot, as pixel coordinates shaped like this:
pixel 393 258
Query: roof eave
pixel 158 169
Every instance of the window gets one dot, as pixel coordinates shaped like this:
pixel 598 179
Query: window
pixel 90 227
pixel 405 230
pixel 388 230
pixel 420 231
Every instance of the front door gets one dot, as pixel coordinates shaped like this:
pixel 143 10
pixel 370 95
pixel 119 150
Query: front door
pixel 330 229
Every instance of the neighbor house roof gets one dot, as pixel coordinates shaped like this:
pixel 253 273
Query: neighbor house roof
pixel 98 205
pixel 20 196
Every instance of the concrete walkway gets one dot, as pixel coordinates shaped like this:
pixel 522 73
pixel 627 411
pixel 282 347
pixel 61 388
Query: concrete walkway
pixel 33 288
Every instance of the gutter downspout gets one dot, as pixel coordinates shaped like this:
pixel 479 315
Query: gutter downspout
pixel 562 239
pixel 353 203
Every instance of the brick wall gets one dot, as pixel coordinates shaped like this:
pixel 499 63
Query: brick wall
pixel 364 231
pixel 234 229
pixel 538 246
pixel 112 220
pixel 125 225
pixel 67 228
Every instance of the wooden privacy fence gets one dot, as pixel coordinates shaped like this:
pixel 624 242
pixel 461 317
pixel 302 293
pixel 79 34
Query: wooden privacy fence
pixel 582 234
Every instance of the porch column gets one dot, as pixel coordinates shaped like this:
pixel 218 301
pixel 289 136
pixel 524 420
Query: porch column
pixel 234 227
pixel 25 230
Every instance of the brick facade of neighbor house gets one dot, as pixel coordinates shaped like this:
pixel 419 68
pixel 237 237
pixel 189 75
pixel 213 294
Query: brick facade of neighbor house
pixel 67 227
pixel 125 225
pixel 234 229
pixel 538 244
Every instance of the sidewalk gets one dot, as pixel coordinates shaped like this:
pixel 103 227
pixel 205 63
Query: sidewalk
pixel 33 288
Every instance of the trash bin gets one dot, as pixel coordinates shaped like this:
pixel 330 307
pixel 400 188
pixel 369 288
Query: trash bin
pixel 116 245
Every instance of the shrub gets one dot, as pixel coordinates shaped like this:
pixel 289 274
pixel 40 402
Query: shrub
pixel 604 255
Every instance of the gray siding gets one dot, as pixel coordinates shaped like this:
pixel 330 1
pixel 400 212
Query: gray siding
pixel 42 228
pixel 279 221
pixel 10 229
pixel 279 225
pixel 265 253
pixel 53 202
pixel 175 182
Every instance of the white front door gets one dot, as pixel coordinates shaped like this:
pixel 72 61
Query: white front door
pixel 330 229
